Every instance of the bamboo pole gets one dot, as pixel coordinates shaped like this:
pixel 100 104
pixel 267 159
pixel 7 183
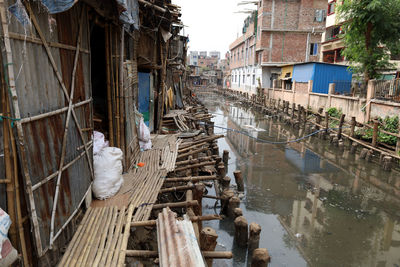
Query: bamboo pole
pixel 190 179
pixel 192 152
pixel 55 112
pixel 64 143
pixel 176 204
pixel 195 166
pixel 108 77
pixel 193 219
pixel 127 229
pixel 177 188
pixel 17 116
pixel 154 254
pixel 116 88
pixel 8 170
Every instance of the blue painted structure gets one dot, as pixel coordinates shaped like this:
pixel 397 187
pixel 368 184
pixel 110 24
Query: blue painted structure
pixel 144 96
pixel 322 74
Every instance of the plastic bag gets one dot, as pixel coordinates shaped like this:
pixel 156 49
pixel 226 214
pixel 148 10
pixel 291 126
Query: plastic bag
pixel 8 254
pixel 107 172
pixel 99 142
pixel 144 133
pixel 145 145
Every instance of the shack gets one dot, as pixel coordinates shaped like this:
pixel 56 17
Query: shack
pixel 321 75
pixel 72 67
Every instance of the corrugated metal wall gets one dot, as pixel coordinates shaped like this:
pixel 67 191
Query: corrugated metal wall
pixel 328 73
pixel 40 92
pixel 303 73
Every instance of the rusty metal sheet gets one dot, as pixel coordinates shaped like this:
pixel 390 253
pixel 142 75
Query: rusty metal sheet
pixel 177 243
pixel 40 92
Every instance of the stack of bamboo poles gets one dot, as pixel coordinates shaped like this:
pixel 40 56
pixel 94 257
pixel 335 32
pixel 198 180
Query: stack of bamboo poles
pixel 100 238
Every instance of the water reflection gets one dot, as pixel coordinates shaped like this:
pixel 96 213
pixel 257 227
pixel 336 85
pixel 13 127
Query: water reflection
pixel 310 199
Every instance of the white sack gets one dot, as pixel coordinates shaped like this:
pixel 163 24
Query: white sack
pixel 98 142
pixel 144 132
pixel 107 172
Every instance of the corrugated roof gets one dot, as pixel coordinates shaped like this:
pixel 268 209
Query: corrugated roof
pixel 177 242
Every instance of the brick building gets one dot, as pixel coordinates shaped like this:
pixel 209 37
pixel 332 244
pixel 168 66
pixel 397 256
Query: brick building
pixel 331 45
pixel 279 32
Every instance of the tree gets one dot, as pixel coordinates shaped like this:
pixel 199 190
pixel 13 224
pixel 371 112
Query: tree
pixel 371 32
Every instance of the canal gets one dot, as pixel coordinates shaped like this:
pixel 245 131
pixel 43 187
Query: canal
pixel 317 206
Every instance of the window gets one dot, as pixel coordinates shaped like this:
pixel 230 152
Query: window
pixel 244 79
pixel 313 49
pixel 333 33
pixel 254 79
pixel 320 15
pixel 331 7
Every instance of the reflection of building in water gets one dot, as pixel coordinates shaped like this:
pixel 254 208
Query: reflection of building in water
pixel 324 229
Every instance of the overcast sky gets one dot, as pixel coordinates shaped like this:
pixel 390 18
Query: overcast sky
pixel 212 24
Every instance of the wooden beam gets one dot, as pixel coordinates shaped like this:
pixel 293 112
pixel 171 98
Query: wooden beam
pixel 193 219
pixel 176 204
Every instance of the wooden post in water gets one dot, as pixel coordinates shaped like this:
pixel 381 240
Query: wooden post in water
pixel 398 141
pixel 225 182
pixel 299 113
pixel 237 212
pixel 254 236
pixel 318 120
pixel 239 180
pixel 341 122
pixel 375 133
pixel 293 110
pixel 260 258
pixel 226 195
pixel 241 231
pixel 208 241
pixel 225 157
pixel 353 126
pixel 326 122
pixel 233 203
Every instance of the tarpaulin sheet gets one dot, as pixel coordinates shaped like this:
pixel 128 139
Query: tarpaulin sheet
pixel 58 6
pixel 131 14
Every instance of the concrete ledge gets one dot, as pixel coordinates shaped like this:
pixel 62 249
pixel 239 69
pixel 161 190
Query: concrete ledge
pixel 385 102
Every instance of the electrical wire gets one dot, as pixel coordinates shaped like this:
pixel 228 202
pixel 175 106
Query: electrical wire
pixel 272 142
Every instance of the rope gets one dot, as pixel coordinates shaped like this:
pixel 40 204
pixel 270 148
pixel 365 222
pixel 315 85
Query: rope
pixel 273 142
pixel 9 118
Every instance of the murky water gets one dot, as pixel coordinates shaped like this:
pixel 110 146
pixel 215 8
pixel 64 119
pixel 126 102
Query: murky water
pixel 316 206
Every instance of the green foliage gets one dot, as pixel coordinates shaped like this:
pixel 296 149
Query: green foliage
pixel 389 124
pixel 371 30
pixel 334 112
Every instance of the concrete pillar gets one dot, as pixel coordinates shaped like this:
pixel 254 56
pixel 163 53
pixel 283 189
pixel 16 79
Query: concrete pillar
pixel 370 96
pixel 330 93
